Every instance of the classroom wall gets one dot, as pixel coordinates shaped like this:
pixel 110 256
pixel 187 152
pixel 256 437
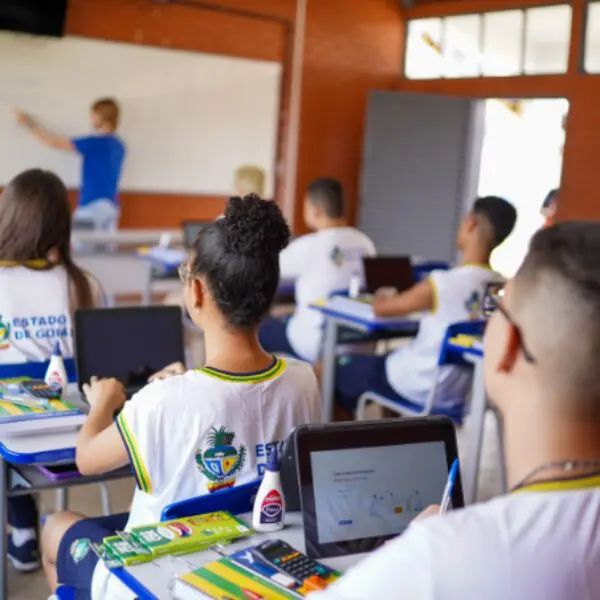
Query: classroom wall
pixel 351 47
pixel 579 188
pixel 220 31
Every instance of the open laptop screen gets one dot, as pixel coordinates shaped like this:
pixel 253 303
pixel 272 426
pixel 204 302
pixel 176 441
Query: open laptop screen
pixel 129 344
pixel 388 271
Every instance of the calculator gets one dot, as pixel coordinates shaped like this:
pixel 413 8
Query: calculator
pixel 286 559
pixel 38 388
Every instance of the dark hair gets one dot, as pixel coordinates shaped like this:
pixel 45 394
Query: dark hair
pixel 238 256
pixel 108 109
pixel 500 214
pixel 551 197
pixel 328 194
pixel 35 219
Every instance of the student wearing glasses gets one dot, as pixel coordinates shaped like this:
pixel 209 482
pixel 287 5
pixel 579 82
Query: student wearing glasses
pixel 244 398
pixel 541 358
pixel 447 297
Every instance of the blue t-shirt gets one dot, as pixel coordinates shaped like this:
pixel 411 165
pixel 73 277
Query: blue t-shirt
pixel 102 156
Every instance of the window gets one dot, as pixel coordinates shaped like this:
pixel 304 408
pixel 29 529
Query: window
pixel 498 44
pixel 547 36
pixel 502 43
pixel 592 39
pixel 460 46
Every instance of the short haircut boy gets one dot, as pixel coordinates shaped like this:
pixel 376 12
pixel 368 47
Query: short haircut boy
pixel 108 109
pixel 328 194
pixel 500 215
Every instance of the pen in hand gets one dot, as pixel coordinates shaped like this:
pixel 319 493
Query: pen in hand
pixel 449 487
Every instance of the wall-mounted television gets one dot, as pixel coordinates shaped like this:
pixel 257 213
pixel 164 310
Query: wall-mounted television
pixel 39 17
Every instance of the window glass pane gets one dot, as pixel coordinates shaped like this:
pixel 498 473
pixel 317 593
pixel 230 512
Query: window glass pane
pixel 424 49
pixel 592 39
pixel 547 36
pixel 502 43
pixel 460 46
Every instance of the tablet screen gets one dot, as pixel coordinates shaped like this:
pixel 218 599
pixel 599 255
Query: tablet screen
pixel 377 491
pixel 362 483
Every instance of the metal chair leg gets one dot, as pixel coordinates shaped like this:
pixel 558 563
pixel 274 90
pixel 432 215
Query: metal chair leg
pixel 105 497
pixel 62 499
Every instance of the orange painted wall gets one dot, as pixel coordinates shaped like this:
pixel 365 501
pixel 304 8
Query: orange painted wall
pixel 579 189
pixel 218 32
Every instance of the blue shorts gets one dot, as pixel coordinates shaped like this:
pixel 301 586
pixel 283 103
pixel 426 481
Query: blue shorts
pixel 76 561
pixel 357 374
pixel 272 335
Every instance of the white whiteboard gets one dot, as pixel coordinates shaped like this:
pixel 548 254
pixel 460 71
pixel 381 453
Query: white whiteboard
pixel 189 119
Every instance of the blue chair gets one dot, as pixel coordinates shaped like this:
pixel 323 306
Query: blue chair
pixel 447 356
pixel 236 500
pixel 36 370
pixel 423 270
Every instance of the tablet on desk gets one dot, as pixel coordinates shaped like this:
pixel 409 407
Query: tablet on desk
pixel 362 483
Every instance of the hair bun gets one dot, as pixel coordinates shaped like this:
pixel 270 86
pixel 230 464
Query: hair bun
pixel 252 226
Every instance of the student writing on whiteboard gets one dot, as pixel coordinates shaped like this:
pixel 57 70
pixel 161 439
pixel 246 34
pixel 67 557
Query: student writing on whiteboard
pixel 40 288
pixel 102 152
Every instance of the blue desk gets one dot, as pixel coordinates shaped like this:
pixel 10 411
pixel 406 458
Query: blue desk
pixel 335 318
pixel 21 452
pixel 471 349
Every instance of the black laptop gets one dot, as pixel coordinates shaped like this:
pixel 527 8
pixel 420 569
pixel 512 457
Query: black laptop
pixel 388 272
pixel 129 344
pixel 191 229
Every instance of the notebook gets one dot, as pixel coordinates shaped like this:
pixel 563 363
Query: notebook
pixel 225 580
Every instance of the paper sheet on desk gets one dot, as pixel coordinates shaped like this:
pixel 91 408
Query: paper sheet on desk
pixel 54 425
pixel 363 309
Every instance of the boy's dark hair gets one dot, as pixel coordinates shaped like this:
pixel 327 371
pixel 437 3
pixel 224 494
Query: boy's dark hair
pixel 328 194
pixel 238 256
pixel 550 198
pixel 500 214
pixel 108 109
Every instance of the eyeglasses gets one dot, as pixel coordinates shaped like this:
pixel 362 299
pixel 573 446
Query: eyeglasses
pixel 494 301
pixel 184 273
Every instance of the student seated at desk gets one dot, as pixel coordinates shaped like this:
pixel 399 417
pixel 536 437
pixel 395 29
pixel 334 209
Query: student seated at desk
pixel 449 297
pixel 40 288
pixel 320 263
pixel 244 398
pixel 541 359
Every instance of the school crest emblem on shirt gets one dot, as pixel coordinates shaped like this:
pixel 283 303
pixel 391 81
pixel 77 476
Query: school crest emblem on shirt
pixel 337 256
pixel 473 306
pixel 4 334
pixel 222 461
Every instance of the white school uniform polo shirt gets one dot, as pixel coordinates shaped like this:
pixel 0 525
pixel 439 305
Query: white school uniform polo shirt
pixel 320 263
pixel 206 431
pixel 411 369
pixel 532 545
pixel 35 313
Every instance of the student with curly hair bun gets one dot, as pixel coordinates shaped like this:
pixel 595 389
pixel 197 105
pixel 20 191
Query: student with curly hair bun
pixel 243 403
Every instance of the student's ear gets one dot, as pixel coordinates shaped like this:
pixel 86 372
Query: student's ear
pixel 510 350
pixel 198 293
pixel 471 223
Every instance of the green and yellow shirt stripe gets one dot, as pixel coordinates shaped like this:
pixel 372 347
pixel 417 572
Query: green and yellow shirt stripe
pixel 562 485
pixel 139 468
pixel 276 369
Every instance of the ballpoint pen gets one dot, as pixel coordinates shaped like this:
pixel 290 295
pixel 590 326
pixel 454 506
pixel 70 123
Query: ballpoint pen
pixel 449 487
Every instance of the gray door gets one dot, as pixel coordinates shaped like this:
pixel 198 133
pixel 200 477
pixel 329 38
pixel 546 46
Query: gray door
pixel 420 171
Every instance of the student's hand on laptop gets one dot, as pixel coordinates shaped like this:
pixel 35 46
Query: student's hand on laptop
pixel 171 370
pixel 105 393
pixel 430 511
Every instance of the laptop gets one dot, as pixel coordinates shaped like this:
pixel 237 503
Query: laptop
pixel 129 344
pixel 388 272
pixel 362 483
pixel 191 229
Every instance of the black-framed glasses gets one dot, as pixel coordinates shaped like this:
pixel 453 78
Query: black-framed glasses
pixel 494 301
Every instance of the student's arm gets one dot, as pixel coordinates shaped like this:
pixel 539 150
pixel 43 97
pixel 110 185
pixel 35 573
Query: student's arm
pixel 292 260
pixel 100 447
pixel 420 297
pixel 45 137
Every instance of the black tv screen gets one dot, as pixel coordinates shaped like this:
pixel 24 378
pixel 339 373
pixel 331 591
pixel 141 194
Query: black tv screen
pixel 39 17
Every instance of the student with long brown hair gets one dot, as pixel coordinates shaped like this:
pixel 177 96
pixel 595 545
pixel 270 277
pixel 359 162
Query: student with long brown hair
pixel 40 288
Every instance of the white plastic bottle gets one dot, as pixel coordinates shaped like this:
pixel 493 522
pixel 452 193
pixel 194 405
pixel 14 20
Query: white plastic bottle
pixel 56 376
pixel 355 285
pixel 269 507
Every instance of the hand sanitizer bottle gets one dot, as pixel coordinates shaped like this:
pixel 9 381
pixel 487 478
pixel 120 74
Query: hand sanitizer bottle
pixel 56 376
pixel 269 506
